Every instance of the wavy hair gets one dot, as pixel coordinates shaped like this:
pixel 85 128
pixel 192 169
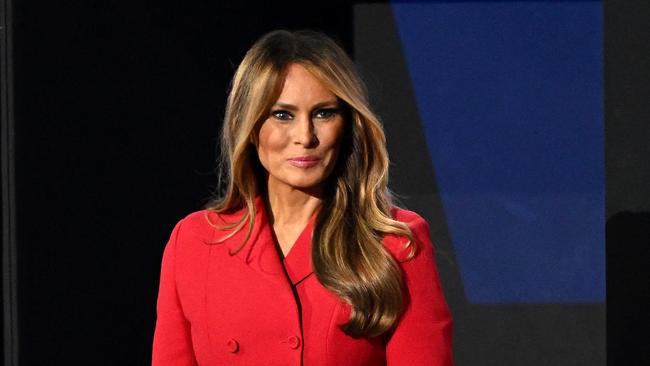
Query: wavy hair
pixel 348 255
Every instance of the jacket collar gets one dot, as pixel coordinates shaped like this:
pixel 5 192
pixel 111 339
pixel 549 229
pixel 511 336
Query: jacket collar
pixel 298 261
pixel 262 254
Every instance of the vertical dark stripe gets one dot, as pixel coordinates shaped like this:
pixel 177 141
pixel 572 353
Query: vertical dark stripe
pixel 10 318
pixel 627 169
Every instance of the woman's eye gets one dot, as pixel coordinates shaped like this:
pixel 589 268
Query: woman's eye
pixel 326 113
pixel 282 115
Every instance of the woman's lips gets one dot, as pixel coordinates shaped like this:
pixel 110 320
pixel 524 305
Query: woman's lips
pixel 304 161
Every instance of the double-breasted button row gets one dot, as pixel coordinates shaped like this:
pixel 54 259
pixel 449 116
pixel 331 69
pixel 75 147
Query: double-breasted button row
pixel 293 342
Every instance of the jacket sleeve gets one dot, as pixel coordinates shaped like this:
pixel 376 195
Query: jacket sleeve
pixel 423 333
pixel 172 343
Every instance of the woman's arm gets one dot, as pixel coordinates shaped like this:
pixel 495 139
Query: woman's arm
pixel 172 343
pixel 423 333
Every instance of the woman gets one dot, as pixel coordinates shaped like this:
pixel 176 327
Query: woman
pixel 304 259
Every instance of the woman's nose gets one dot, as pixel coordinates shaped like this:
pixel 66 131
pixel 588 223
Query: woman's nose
pixel 305 133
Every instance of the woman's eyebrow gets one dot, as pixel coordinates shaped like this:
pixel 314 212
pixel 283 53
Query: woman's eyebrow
pixel 291 107
pixel 333 102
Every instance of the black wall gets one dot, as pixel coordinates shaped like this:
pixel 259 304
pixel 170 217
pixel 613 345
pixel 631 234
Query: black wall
pixel 117 111
pixel 627 148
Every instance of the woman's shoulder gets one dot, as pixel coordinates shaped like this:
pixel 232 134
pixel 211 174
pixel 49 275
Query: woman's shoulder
pixel 410 218
pixel 399 246
pixel 205 223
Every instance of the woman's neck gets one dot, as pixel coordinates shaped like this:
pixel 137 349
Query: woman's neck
pixel 288 206
pixel 289 212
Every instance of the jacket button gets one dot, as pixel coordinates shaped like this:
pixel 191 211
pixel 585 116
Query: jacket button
pixel 232 345
pixel 293 342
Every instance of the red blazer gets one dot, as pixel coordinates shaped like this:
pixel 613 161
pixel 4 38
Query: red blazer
pixel 254 308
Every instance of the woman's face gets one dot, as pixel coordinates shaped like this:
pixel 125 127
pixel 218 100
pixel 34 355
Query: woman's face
pixel 299 141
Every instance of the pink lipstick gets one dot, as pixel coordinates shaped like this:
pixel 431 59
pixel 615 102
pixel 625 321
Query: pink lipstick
pixel 304 161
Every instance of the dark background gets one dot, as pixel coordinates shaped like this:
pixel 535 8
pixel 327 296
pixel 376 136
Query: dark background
pixel 627 152
pixel 116 111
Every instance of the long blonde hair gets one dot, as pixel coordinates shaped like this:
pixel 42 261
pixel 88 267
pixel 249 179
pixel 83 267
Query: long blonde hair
pixel 348 256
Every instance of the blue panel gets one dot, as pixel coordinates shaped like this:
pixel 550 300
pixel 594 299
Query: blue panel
pixel 510 95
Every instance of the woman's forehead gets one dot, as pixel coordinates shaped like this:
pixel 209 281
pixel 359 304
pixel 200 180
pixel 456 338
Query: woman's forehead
pixel 300 85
